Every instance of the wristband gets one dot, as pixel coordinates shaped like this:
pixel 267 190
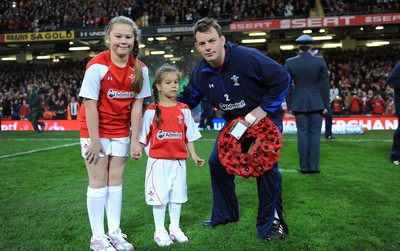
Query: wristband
pixel 250 118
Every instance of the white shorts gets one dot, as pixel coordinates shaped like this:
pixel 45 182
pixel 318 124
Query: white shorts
pixel 165 181
pixel 118 147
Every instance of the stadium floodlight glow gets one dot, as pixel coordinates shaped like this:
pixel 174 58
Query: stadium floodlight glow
pixel 307 31
pixel 150 39
pixel 377 43
pixel 43 57
pixel 322 38
pixel 332 45
pixel 142 46
pixel 255 34
pixel 9 59
pixel 157 52
pixel 254 41
pixel 380 27
pixel 71 42
pixel 81 48
pixel 286 47
pixel 161 38
pixel 321 30
pixel 168 55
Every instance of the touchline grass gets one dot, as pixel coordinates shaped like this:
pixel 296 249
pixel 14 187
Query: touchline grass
pixel 353 204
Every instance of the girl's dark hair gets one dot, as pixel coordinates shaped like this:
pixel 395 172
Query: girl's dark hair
pixel 138 81
pixel 158 78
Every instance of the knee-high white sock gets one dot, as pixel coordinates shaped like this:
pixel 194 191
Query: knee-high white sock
pixel 96 199
pixel 159 217
pixel 113 207
pixel 174 214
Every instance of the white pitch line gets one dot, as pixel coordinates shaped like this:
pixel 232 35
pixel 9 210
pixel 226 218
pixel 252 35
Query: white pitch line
pixel 37 150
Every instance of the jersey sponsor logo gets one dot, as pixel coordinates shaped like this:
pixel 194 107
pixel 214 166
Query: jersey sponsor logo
pixel 119 95
pixel 168 135
pixel 235 80
pixel 229 107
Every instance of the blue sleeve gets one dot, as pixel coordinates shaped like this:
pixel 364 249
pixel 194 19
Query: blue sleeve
pixel 275 78
pixel 394 76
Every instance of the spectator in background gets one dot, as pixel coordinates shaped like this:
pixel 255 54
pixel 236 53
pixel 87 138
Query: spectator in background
pixel 365 103
pixel 48 114
pixel 35 109
pixel 73 109
pixel 60 109
pixel 24 110
pixel 378 105
pixel 355 102
pixel 16 105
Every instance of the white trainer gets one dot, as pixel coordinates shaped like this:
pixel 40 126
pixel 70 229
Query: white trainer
pixel 177 234
pixel 117 239
pixel 162 238
pixel 101 243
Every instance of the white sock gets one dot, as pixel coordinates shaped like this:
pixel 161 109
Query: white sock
pixel 159 217
pixel 174 214
pixel 113 207
pixel 96 199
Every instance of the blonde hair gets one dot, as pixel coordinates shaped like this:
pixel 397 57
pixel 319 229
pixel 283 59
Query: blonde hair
pixel 138 81
pixel 158 78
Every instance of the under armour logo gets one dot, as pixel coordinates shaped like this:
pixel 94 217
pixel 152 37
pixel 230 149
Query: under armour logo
pixel 109 78
pixel 210 85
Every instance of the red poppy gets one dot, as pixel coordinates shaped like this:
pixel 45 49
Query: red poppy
pixel 262 155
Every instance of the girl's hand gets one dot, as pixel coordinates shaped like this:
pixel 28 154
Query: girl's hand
pixel 92 153
pixel 136 150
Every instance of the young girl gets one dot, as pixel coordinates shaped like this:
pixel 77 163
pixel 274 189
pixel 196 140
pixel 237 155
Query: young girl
pixel 113 88
pixel 168 131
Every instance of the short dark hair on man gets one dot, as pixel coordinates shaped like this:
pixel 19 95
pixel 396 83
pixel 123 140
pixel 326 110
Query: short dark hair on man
pixel 305 47
pixel 205 24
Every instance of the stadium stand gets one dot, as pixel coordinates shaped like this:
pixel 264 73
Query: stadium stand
pixel 359 73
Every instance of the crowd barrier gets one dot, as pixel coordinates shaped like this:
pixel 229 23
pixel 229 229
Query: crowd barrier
pixel 345 125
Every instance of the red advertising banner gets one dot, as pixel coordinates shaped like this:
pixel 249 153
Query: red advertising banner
pixel 51 125
pixel 368 123
pixel 297 23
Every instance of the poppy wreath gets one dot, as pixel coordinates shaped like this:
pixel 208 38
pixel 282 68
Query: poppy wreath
pixel 263 153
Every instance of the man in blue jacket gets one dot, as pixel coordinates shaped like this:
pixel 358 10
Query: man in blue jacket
pixel 308 101
pixel 239 81
pixel 394 78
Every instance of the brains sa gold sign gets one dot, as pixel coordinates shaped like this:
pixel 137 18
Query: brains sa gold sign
pixel 39 36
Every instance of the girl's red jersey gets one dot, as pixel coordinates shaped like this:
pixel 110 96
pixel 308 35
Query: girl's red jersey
pixel 111 85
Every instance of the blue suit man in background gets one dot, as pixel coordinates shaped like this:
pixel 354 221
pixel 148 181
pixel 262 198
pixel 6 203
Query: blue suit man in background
pixel 308 101
pixel 394 78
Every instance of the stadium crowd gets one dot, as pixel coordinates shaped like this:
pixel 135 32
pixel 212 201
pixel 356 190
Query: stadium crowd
pixel 358 78
pixel 358 82
pixel 48 15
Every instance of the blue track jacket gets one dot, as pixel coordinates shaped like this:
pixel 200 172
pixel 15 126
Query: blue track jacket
pixel 248 79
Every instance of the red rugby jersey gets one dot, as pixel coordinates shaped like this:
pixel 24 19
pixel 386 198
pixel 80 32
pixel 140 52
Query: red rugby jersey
pixel 111 86
pixel 168 141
